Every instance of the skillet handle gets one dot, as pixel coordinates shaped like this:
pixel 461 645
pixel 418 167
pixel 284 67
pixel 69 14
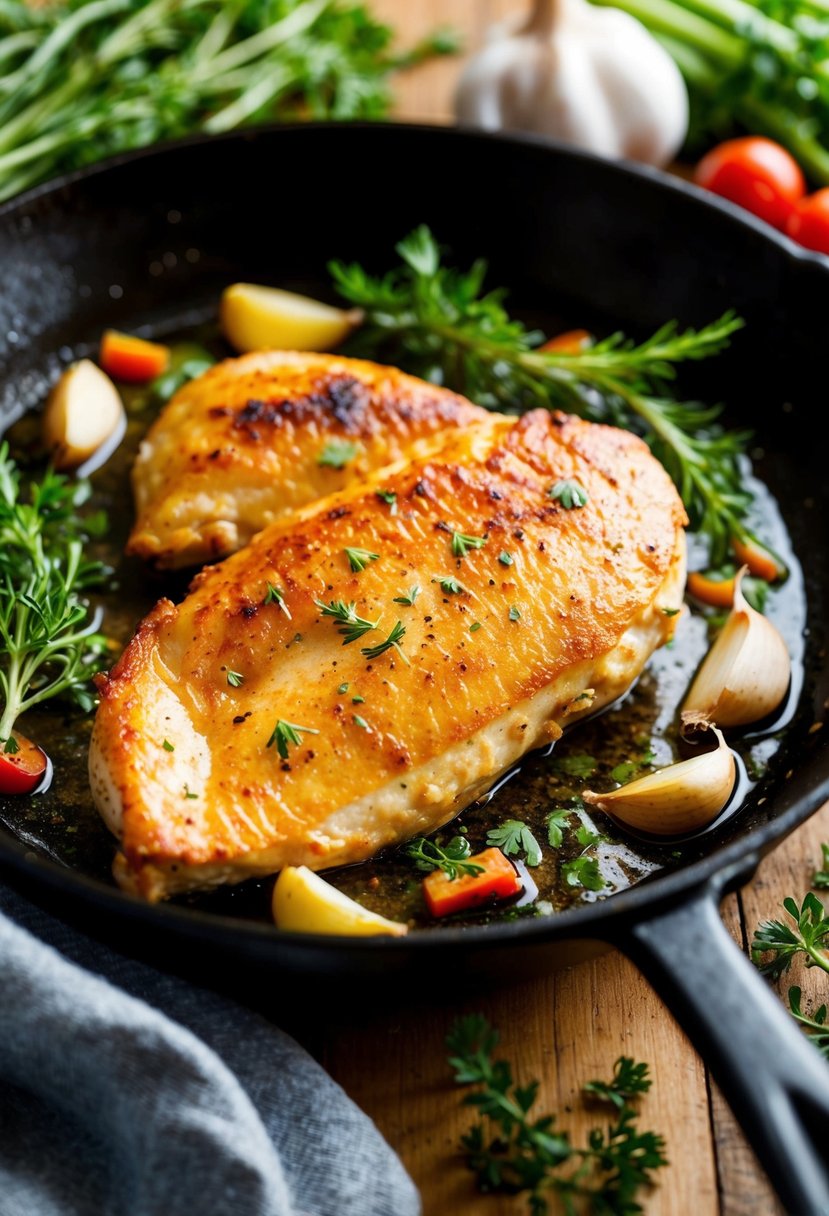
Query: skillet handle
pixel 774 1080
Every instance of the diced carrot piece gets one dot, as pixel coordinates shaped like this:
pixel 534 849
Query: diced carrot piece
pixel 761 562
pixel 125 357
pixel 498 879
pixel 572 342
pixel 717 593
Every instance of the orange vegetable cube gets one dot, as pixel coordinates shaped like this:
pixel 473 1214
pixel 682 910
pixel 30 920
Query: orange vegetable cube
pixel 498 879
pixel 125 357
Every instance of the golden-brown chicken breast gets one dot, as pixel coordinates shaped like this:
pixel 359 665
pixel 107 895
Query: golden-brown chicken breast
pixel 227 743
pixel 256 437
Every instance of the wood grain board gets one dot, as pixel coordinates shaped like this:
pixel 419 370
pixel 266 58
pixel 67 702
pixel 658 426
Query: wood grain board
pixel 570 1026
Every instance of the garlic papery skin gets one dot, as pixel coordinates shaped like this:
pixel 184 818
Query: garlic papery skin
pixel 746 673
pixel 676 800
pixel 592 77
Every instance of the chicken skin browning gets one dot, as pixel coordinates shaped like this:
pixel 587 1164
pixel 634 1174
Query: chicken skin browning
pixel 191 769
pixel 256 437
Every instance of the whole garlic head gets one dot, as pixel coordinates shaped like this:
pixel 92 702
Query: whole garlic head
pixel 593 77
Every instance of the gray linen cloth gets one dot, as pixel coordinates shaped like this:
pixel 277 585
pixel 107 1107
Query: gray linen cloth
pixel 132 1093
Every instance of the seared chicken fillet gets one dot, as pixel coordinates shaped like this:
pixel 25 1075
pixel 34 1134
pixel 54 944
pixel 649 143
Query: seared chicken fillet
pixel 181 765
pixel 255 438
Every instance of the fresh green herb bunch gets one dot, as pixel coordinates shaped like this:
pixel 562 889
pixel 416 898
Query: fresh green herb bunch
pixel 509 1151
pixel 49 640
pixel 441 324
pixel 429 855
pixel 755 65
pixel 86 79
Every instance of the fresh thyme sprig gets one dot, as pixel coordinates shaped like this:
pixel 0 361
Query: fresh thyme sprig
pixel 431 855
pixel 439 322
pixel 49 640
pixel 511 1152
pixel 393 640
pixel 349 624
pixel 288 733
pixel 462 543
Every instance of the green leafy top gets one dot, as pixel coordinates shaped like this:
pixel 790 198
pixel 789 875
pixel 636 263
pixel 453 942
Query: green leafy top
pixel 440 323
pixel 571 494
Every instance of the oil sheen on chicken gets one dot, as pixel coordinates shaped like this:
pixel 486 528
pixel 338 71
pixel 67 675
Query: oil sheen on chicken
pixel 257 437
pixel 495 657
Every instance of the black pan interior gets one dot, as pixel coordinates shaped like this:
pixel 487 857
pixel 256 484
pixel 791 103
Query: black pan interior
pixel 151 241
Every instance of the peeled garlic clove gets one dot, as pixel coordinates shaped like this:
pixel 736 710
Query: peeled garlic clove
pixel 83 412
pixel 681 798
pixel 746 673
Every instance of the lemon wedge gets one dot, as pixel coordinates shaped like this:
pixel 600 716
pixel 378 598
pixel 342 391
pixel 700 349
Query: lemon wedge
pixel 268 318
pixel 305 903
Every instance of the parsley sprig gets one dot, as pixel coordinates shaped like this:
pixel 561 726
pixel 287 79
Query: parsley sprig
pixel 510 1151
pixel 807 935
pixel 49 640
pixel 513 837
pixel 440 323
pixel 452 857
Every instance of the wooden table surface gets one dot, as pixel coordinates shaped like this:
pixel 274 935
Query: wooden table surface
pixel 572 1025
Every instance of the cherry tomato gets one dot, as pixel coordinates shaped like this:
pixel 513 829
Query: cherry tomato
pixel 755 173
pixel 21 770
pixel 809 224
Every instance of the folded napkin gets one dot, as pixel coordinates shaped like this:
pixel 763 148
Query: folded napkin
pixel 131 1093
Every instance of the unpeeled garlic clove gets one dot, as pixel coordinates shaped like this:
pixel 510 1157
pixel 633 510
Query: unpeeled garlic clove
pixel 681 798
pixel 746 673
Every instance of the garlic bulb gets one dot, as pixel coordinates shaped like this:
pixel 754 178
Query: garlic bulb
pixel 593 77
pixel 746 673
pixel 681 798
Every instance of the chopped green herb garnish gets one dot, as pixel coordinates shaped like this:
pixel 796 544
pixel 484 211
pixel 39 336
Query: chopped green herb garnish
pixel 448 584
pixel 349 624
pixel 671 611
pixel 557 822
pixel 285 733
pixel 409 598
pixel 275 595
pixel 337 453
pixel 514 613
pixel 586 836
pixel 571 494
pixel 390 498
pixel 343 687
pixel 513 837
pixel 430 855
pixel 575 766
pixel 235 679
pixel 505 558
pixel 12 747
pixel 187 793
pixel 361 722
pixel 475 626
pixel 357 700
pixel 583 872
pixel 393 640
pixel 462 543
pixel 168 746
pixel 358 559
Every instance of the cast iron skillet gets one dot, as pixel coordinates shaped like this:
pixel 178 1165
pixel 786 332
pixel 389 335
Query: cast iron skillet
pixel 124 244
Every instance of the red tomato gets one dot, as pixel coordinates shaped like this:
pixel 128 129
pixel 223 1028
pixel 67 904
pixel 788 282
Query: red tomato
pixel 809 224
pixel 756 174
pixel 22 770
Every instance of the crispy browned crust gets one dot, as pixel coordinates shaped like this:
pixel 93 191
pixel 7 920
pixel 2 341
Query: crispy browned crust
pixel 240 446
pixel 580 578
